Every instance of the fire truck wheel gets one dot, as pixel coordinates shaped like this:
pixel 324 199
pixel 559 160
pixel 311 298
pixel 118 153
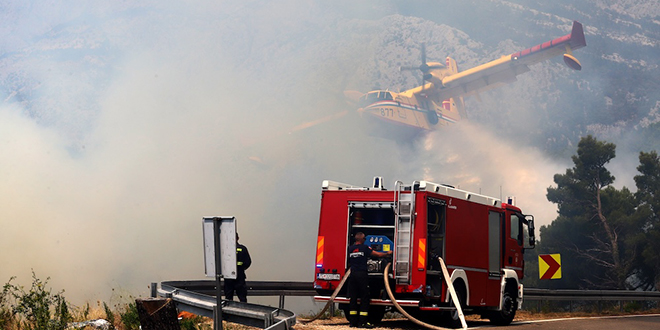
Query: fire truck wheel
pixel 376 314
pixel 508 312
pixel 345 309
pixel 451 318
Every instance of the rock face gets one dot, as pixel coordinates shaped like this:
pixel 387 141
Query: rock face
pixel 58 66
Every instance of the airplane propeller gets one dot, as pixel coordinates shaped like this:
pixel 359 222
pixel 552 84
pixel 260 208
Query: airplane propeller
pixel 425 68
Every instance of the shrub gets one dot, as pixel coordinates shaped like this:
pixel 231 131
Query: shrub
pixel 109 315
pixel 6 315
pixel 38 308
pixel 191 323
pixel 130 318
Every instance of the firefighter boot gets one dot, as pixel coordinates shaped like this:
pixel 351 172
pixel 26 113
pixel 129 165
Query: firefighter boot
pixel 353 319
pixel 364 321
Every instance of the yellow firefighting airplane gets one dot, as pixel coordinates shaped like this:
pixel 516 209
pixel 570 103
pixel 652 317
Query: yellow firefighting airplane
pixel 439 100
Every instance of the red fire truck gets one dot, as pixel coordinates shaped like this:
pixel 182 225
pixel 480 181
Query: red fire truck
pixel 480 239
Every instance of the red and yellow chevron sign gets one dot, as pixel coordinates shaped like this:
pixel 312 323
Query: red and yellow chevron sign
pixel 421 256
pixel 549 266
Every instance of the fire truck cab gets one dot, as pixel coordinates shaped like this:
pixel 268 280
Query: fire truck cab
pixel 480 239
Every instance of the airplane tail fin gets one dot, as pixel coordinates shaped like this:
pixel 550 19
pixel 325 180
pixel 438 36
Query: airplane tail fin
pixel 577 39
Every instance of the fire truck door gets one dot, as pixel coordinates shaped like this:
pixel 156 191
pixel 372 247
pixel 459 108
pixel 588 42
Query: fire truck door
pixel 494 243
pixel 514 242
pixel 494 258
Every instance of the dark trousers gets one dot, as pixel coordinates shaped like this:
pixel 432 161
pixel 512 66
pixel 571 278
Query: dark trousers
pixel 237 285
pixel 358 287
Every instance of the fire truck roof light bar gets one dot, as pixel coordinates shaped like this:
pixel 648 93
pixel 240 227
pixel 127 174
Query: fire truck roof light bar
pixel 458 193
pixel 423 186
pixel 334 185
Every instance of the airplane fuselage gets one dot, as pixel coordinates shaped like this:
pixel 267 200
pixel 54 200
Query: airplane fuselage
pixel 411 113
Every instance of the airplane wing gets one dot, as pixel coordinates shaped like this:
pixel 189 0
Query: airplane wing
pixel 505 69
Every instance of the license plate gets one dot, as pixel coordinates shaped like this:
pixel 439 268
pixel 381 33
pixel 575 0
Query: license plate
pixel 328 277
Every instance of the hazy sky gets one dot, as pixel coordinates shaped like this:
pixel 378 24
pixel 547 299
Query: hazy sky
pixel 127 123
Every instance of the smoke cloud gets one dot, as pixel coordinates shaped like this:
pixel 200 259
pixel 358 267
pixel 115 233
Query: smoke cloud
pixel 129 123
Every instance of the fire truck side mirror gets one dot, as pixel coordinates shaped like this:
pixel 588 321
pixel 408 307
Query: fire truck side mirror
pixel 530 232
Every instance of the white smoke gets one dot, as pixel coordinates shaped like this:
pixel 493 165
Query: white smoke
pixel 106 176
pixel 471 157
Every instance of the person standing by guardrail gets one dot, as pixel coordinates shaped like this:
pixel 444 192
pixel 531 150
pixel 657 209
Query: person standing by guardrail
pixel 358 282
pixel 243 262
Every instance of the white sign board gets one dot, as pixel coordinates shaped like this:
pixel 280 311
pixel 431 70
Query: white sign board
pixel 227 238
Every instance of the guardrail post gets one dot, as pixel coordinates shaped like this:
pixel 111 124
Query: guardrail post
pixel 154 290
pixel 281 301
pixel 332 310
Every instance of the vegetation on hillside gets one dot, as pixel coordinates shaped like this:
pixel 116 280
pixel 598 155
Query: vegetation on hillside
pixel 607 237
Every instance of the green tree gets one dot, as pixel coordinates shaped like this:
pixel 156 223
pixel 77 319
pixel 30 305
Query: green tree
pixel 648 198
pixel 594 221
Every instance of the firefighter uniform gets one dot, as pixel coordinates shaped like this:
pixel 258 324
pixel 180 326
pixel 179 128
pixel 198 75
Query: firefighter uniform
pixel 243 262
pixel 358 284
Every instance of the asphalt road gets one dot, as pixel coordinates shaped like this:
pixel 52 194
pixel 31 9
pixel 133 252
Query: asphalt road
pixel 631 322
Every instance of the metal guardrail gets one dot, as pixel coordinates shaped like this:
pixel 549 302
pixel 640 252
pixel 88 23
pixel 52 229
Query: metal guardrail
pixel 599 296
pixel 255 288
pixel 594 295
pixel 199 297
pixel 203 303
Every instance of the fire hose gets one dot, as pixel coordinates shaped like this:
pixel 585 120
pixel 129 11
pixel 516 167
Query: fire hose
pixel 394 302
pixel 410 317
pixel 332 299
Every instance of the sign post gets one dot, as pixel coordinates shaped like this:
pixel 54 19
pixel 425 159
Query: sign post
pixel 219 256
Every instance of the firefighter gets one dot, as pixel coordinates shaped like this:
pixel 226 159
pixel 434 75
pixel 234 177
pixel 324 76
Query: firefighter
pixel 358 282
pixel 243 262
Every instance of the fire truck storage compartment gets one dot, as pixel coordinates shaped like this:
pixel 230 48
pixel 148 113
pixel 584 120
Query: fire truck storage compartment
pixel 376 221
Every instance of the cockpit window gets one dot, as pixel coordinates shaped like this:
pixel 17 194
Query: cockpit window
pixel 373 97
pixel 385 96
